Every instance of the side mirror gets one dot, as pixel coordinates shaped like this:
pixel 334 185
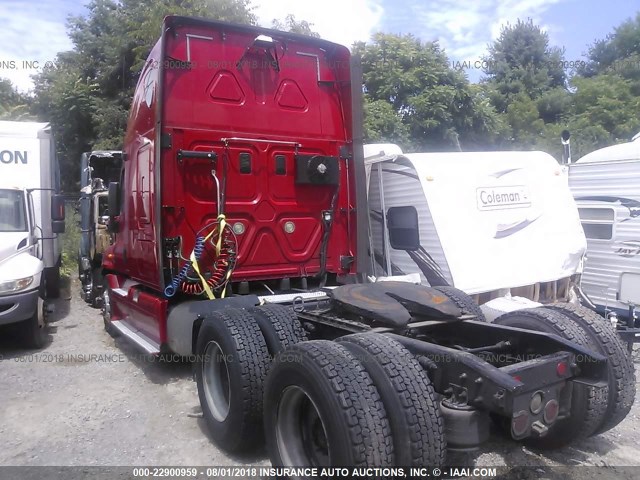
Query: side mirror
pixel 57 213
pixel 113 205
pixel 113 202
pixel 404 232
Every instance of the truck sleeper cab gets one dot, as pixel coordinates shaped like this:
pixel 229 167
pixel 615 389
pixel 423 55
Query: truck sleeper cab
pixel 241 240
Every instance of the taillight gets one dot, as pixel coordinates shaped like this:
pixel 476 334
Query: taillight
pixel 562 368
pixel 519 424
pixel 551 410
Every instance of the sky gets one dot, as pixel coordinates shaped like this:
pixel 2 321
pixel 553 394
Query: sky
pixel 35 31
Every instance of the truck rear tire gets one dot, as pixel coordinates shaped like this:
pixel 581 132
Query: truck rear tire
pixel 588 404
pixel 279 326
pixel 408 397
pixel 95 295
pixel 621 373
pixel 52 281
pixel 464 301
pixel 231 364
pixel 322 409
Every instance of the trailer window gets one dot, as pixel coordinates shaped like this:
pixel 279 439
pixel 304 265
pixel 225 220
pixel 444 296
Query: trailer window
pixel 597 223
pixel 12 211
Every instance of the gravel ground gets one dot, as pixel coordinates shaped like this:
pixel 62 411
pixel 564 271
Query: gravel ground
pixel 88 399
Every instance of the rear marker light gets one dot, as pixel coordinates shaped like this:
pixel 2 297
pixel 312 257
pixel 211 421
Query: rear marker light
pixel 520 424
pixel 551 410
pixel 289 227
pixel 238 228
pixel 562 368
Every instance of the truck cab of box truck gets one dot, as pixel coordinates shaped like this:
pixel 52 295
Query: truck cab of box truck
pixel 238 154
pixel 31 216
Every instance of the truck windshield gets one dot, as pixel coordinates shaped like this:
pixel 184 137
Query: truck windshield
pixel 12 211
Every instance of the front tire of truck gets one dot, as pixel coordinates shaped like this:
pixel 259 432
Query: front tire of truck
pixel 322 409
pixel 231 364
pixel 588 403
pixel 34 330
pixel 106 311
pixel 464 301
pixel 408 396
pixel 621 373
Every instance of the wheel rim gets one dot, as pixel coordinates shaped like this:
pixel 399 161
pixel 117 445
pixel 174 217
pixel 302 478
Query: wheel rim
pixel 88 287
pixel 106 305
pixel 300 432
pixel 215 379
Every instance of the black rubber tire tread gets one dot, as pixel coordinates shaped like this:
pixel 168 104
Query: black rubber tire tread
pixel 52 275
pixel 95 297
pixel 242 428
pixel 34 336
pixel 622 378
pixel 408 396
pixel 464 301
pixel 110 329
pixel 354 405
pixel 588 403
pixel 279 325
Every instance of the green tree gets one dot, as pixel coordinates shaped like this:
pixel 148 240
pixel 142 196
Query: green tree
pixel 521 62
pixel 13 104
pixel 435 105
pixel 604 112
pixel 87 94
pixel 290 24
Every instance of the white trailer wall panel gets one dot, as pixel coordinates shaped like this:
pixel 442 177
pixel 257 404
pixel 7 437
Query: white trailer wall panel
pixel 608 198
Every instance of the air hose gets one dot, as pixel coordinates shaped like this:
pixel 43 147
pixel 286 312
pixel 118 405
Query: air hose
pixel 172 288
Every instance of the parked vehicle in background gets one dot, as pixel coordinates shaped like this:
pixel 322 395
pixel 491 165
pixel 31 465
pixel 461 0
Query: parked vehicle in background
pixel 497 225
pixel 606 186
pixel 241 234
pixel 97 170
pixel 31 217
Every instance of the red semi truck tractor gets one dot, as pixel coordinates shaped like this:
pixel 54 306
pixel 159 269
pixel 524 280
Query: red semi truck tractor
pixel 240 229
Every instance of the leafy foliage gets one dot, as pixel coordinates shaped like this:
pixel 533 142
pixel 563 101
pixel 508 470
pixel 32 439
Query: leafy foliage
pixel 430 105
pixel 87 94
pixel 13 105
pixel 412 95
pixel 521 62
pixel 290 24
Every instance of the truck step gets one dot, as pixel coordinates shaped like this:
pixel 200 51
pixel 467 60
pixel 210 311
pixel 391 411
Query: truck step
pixel 137 337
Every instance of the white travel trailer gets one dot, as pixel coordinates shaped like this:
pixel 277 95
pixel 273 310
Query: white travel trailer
pixel 606 187
pixel 492 224
pixel 31 216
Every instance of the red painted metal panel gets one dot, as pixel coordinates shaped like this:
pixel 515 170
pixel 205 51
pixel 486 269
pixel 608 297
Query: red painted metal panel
pixel 232 90
pixel 256 103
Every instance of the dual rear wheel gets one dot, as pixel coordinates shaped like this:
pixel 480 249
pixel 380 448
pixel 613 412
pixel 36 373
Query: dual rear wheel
pixel 364 400
pixel 361 401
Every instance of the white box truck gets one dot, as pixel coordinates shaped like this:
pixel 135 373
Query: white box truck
pixel 31 217
pixel 501 226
